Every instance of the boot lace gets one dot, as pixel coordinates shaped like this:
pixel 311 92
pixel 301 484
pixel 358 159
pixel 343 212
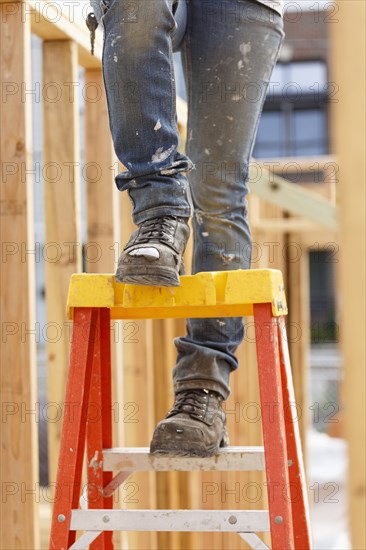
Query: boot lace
pixel 160 230
pixel 192 402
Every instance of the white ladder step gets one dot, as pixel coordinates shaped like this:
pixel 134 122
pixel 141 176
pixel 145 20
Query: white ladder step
pixel 139 459
pixel 237 521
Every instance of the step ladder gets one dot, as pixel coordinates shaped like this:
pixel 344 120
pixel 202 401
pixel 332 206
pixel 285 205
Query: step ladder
pixel 92 302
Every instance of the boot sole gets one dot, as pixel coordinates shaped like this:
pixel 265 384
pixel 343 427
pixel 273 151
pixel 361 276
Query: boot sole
pixel 147 277
pixel 203 453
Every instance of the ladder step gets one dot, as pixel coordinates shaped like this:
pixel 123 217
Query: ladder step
pixel 236 521
pixel 139 459
pixel 206 294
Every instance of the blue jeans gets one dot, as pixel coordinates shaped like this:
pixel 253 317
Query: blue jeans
pixel 229 49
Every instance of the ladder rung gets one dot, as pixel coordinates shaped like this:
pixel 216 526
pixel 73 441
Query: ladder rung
pixel 170 520
pixel 139 459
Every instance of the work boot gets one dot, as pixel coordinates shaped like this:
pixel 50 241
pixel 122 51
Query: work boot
pixel 194 426
pixel 154 253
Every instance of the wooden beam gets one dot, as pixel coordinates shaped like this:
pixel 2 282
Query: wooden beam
pixel 19 437
pixel 62 216
pixel 284 165
pixel 53 21
pixel 284 225
pixel 102 196
pixel 291 197
pixel 348 132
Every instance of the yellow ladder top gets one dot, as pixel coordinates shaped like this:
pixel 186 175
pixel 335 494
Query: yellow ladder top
pixel 206 294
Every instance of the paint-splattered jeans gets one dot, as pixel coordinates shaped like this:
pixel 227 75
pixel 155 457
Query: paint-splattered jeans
pixel 229 49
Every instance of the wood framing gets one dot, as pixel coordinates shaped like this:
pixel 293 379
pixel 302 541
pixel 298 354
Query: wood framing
pixel 267 185
pixel 19 437
pixel 53 21
pixel 61 162
pixel 102 196
pixel 348 136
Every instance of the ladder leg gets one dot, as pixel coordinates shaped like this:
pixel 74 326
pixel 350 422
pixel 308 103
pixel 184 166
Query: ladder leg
pixel 99 425
pixel 73 428
pixel 298 490
pixel 273 424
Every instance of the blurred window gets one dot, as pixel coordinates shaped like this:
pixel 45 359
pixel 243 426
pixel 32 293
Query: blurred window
pixel 324 328
pixel 295 119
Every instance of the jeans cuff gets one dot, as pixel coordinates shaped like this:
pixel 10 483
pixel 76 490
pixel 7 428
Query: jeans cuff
pixel 160 211
pixel 202 384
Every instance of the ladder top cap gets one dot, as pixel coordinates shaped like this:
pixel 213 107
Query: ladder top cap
pixel 206 294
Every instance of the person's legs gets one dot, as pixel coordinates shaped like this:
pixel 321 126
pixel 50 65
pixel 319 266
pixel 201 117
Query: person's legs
pixel 229 51
pixel 140 87
pixel 230 48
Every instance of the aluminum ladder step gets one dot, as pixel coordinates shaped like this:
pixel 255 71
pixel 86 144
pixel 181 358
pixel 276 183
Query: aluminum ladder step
pixel 171 520
pixel 134 459
pixel 243 522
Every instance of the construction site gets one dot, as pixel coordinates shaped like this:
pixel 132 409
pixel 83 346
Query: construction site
pixel 86 360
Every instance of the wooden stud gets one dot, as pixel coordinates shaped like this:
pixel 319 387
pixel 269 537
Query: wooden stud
pixel 102 196
pixel 19 438
pixel 61 163
pixel 348 143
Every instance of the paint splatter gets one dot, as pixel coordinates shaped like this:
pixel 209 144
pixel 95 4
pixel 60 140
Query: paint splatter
pixel 161 155
pixel 244 50
pixel 227 257
pixel 115 40
pixel 236 97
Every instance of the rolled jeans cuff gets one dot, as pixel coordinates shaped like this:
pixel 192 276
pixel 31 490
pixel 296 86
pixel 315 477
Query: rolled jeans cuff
pixel 160 212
